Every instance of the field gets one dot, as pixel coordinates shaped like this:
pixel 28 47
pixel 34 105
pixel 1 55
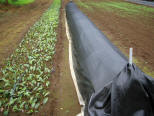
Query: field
pixel 126 25
pixel 35 77
pixel 25 74
pixel 20 40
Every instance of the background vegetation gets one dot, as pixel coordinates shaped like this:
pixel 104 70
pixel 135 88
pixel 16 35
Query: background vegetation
pixel 124 9
pixel 16 2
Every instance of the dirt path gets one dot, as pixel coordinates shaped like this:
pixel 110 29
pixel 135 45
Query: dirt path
pixel 125 29
pixel 65 94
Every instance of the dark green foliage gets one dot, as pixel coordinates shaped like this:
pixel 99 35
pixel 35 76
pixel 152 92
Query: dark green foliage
pixel 2 1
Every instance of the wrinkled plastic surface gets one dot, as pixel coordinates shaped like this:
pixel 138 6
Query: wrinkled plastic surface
pixel 131 93
pixel 108 86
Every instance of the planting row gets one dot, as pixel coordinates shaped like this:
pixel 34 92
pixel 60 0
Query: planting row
pixel 24 79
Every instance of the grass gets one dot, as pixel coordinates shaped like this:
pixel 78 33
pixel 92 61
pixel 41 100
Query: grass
pixel 20 2
pixel 17 2
pixel 24 80
pixel 123 9
pixel 140 63
pixel 85 5
pixel 143 67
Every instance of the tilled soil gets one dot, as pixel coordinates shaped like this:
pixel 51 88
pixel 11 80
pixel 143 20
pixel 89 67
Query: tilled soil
pixel 66 98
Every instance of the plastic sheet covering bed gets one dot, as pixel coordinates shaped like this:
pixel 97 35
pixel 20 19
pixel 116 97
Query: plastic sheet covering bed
pixel 108 84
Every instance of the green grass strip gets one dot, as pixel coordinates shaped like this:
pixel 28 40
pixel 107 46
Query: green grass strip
pixel 84 5
pixel 125 6
pixel 123 9
pixel 20 2
pixel 24 79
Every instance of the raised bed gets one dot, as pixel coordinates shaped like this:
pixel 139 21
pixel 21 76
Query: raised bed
pixel 107 83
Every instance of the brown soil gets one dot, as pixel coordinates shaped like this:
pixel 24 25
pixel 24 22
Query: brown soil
pixel 66 99
pixel 126 32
